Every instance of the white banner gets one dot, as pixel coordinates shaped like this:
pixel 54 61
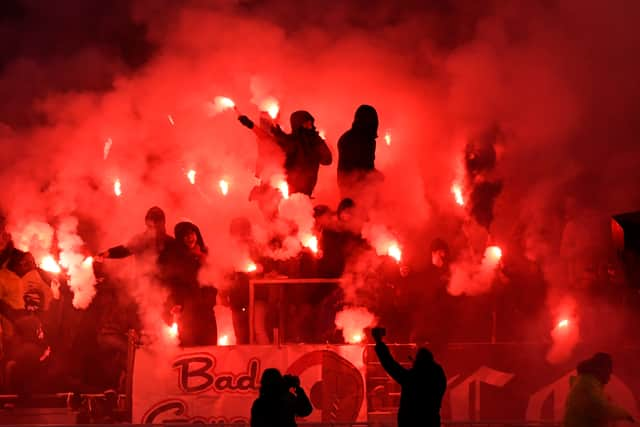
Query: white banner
pixel 219 384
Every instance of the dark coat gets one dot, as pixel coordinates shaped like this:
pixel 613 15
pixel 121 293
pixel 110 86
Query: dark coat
pixel 423 387
pixel 304 152
pixel 280 410
pixel 357 146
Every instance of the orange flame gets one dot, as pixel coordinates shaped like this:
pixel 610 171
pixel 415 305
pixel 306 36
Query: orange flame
pixel 271 107
pixel 564 323
pixel 49 264
pixel 117 188
pixel 311 243
pixel 223 340
pixel 395 252
pixel 224 187
pixel 387 138
pixel 457 193
pixel 355 339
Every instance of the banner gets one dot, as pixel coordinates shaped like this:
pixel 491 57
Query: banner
pixel 219 384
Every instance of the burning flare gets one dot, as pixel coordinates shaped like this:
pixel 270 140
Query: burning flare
pixel 223 103
pixel 223 340
pixel 88 262
pixel 251 267
pixel 284 188
pixel 271 107
pixel 493 254
pixel 564 323
pixel 322 134
pixel 191 176
pixel 173 330
pixel 311 243
pixel 352 321
pixel 107 147
pixel 457 193
pixel 49 264
pixel 224 187
pixel 395 252
pixel 387 138
pixel 117 187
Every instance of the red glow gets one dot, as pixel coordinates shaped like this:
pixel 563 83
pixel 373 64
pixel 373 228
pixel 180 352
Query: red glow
pixel 322 134
pixel 173 330
pixel 224 103
pixel 107 147
pixel 271 107
pixel 223 340
pixel 88 262
pixel 387 138
pixel 355 339
pixel 284 188
pixel 251 267
pixel 171 120
pixel 191 176
pixel 117 188
pixel 494 253
pixel 311 243
pixel 457 193
pixel 564 323
pixel 49 264
pixel 395 252
pixel 224 187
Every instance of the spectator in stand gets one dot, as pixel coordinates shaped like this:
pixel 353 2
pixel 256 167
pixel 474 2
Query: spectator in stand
pixel 189 301
pixel 277 405
pixel 587 404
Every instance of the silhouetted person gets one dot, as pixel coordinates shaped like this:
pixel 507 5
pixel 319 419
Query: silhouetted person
pixel 148 245
pixel 304 151
pixel 277 406
pixel 423 385
pixel 587 404
pixel 357 150
pixel 181 263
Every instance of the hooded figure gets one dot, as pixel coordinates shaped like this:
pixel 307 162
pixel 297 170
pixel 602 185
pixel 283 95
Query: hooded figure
pixel 587 404
pixel 276 406
pixel 423 386
pixel 181 264
pixel 357 147
pixel 304 151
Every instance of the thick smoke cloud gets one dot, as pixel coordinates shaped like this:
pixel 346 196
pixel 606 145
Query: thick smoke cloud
pixel 558 77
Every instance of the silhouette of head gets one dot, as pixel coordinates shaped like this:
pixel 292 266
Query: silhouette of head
pixel 366 120
pixel 301 120
pixel 155 220
pixel 600 366
pixel 439 253
pixel 271 382
pixel 345 209
pixel 424 359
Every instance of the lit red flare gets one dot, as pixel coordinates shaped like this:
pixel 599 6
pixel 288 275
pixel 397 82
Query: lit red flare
pixel 88 262
pixel 251 267
pixel 224 187
pixel 224 103
pixel 493 253
pixel 107 147
pixel 191 176
pixel 271 107
pixel 284 188
pixel 387 138
pixel 117 188
pixel 173 330
pixel 395 252
pixel 311 243
pixel 355 339
pixel 49 264
pixel 322 134
pixel 457 193
pixel 562 324
pixel 223 340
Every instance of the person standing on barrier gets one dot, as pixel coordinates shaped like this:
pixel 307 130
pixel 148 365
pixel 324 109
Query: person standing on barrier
pixel 277 405
pixel 423 385
pixel 587 404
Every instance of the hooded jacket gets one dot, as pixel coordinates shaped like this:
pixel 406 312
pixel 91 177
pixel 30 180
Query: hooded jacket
pixel 587 404
pixel 357 146
pixel 304 151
